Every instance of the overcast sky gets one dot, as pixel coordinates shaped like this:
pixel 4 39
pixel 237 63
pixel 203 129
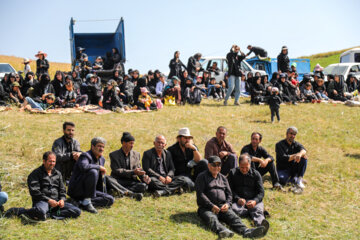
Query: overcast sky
pixel 154 30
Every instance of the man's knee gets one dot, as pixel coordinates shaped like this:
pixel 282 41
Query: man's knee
pixel 109 200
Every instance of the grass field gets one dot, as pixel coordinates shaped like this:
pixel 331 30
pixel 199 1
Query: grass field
pixel 329 208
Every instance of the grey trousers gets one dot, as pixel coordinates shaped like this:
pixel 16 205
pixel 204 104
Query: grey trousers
pixel 256 213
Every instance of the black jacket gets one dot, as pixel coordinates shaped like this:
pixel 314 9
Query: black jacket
pixel 283 62
pixel 149 163
pixel 119 168
pixel 180 159
pixel 259 153
pixel 43 187
pixel 212 191
pixel 234 63
pixel 249 186
pixel 192 64
pixel 42 66
pixel 175 68
pixel 274 101
pixel 258 51
pixel 283 152
pixel 44 86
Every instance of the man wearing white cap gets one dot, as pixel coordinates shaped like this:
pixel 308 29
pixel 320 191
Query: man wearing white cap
pixel 187 158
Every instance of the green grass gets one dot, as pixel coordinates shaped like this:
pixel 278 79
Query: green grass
pixel 328 209
pixel 325 59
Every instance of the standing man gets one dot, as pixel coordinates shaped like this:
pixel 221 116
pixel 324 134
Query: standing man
pixel 48 194
pixel 261 160
pixel 67 150
pixel 86 182
pixel 258 51
pixel 187 158
pixel 291 160
pixel 218 146
pixel 214 198
pixel 126 168
pixel 157 163
pixel 248 192
pixel 194 66
pixel 283 60
pixel 234 62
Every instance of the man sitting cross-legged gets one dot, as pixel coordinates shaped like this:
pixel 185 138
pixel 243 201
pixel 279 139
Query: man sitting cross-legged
pixel 86 182
pixel 214 199
pixel 157 163
pixel 48 194
pixel 248 192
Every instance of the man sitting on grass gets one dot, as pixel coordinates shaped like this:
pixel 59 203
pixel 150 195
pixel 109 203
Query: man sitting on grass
pixel 48 195
pixel 291 160
pixel 214 199
pixel 86 182
pixel 248 192
pixel 48 100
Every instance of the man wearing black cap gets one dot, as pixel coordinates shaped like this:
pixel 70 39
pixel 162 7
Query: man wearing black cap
pixel 214 199
pixel 187 158
pixel 126 168
pixel 283 60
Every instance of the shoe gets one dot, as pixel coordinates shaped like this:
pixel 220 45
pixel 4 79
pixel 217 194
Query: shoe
pixel 225 103
pixel 299 183
pixel 159 193
pixel 179 191
pixel 277 186
pixel 89 208
pixel 138 196
pixel 266 226
pixel 25 219
pixel 266 214
pixel 296 190
pixel 256 232
pixel 11 212
pixel 226 234
pixel 236 103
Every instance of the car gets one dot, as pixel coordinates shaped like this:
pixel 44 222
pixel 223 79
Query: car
pixel 4 69
pixel 343 69
pixel 207 62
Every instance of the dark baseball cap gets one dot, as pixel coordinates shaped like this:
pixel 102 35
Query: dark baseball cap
pixel 214 159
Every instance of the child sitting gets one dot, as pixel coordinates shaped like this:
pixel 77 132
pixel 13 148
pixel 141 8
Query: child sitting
pixel 69 96
pixel 215 90
pixel 320 89
pixel 308 94
pixel 274 104
pixel 111 100
pixel 98 64
pixel 145 101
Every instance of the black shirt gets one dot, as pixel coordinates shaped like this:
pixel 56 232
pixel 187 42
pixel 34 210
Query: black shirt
pixel 212 191
pixel 248 186
pixel 283 152
pixel 160 168
pixel 127 159
pixel 43 187
pixel 180 159
pixel 259 153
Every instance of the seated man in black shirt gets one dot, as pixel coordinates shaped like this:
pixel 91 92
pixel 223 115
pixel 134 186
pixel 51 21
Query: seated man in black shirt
pixel 187 158
pixel 157 163
pixel 126 168
pixel 261 160
pixel 291 160
pixel 67 150
pixel 214 199
pixel 248 192
pixel 48 194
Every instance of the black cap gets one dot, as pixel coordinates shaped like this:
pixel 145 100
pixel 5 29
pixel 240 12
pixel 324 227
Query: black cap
pixel 214 159
pixel 127 137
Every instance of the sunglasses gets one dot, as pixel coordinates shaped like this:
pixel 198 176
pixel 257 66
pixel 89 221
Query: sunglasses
pixel 216 164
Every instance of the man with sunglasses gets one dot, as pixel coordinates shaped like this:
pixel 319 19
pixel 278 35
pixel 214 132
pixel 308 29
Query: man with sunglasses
pixel 214 199
pixel 291 160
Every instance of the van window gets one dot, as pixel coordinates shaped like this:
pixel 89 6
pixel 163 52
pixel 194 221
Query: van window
pixel 354 69
pixel 357 57
pixel 345 58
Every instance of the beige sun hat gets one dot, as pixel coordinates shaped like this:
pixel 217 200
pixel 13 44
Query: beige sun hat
pixel 185 132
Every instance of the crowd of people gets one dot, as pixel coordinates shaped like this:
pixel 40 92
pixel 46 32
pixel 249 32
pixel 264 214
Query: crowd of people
pixel 185 84
pixel 228 187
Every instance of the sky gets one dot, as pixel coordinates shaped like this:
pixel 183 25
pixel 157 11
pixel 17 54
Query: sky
pixel 154 30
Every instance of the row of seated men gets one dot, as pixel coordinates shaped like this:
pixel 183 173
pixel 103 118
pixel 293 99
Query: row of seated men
pixel 225 191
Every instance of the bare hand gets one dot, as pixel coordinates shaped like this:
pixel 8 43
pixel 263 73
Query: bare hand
pixel 53 203
pixel 61 203
pixel 224 208
pixel 241 202
pixel 102 170
pixel 146 179
pixel 264 163
pixel 139 172
pixel 162 179
pixel 215 209
pixel 190 145
pixel 223 154
pixel 76 155
pixel 297 158
pixel 251 204
pixel 168 180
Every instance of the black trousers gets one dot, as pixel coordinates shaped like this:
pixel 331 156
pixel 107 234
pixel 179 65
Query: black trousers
pixel 177 182
pixel 41 210
pixel 228 163
pixel 270 168
pixel 212 220
pixel 132 185
pixel 273 112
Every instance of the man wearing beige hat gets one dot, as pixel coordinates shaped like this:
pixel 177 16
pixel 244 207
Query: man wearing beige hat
pixel 187 158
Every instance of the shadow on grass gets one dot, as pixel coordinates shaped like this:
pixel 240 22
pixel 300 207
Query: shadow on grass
pixel 353 155
pixel 260 121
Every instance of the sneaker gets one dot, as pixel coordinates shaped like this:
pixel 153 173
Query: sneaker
pixel 296 190
pixel 277 186
pixel 226 234
pixel 138 196
pixel 266 226
pixel 11 212
pixel 89 208
pixel 25 219
pixel 225 103
pixel 300 183
pixel 256 232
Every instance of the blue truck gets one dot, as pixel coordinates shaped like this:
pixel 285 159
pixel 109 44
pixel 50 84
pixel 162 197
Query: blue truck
pixel 98 44
pixel 270 65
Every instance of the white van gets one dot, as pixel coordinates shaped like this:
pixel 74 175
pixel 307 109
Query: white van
pixel 350 56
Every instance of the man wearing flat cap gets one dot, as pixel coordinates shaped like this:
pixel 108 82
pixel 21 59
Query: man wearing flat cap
pixel 187 158
pixel 214 199
pixel 126 168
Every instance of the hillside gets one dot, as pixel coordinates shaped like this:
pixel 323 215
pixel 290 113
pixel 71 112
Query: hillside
pixel 325 58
